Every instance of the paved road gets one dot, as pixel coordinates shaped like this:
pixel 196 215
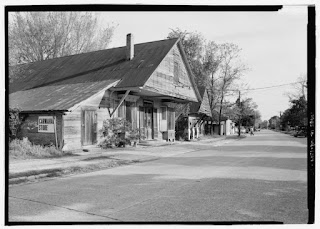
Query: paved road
pixel 259 178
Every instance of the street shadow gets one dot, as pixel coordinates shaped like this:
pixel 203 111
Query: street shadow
pixel 264 148
pixel 143 197
pixel 233 160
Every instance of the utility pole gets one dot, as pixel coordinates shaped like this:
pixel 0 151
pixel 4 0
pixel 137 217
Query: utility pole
pixel 280 126
pixel 239 129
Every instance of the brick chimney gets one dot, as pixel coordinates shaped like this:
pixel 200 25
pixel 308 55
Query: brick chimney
pixel 130 47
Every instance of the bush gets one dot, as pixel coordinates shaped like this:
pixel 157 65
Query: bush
pixel 15 122
pixel 118 132
pixel 23 149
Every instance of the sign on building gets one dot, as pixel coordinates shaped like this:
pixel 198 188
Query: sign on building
pixel 46 124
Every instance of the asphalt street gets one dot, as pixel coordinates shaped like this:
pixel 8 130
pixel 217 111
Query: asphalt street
pixel 256 179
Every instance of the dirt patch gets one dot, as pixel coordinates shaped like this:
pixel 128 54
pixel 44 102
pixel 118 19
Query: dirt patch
pixel 97 158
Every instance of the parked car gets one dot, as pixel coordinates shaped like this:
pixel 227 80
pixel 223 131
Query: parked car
pixel 301 133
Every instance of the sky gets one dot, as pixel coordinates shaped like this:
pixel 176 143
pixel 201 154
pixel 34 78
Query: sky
pixel 274 44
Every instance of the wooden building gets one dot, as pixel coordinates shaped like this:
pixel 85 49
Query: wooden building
pixel 193 124
pixel 65 100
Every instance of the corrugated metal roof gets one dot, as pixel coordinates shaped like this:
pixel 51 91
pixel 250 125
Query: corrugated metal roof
pixel 57 96
pixel 109 64
pixel 60 83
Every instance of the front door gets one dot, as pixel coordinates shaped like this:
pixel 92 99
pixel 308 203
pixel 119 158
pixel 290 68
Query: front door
pixel 89 127
pixel 148 115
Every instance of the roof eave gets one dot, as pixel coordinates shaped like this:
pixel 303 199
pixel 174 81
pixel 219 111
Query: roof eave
pixel 191 76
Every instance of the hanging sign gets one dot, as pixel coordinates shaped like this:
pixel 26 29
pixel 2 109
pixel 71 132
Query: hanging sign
pixel 45 124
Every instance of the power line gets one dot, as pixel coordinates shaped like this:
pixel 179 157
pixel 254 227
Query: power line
pixel 260 88
pixel 272 86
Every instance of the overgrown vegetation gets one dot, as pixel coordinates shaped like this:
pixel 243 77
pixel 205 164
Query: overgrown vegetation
pixel 14 123
pixel 117 132
pixel 24 149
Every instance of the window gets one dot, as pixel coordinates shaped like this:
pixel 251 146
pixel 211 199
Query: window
pixel 163 113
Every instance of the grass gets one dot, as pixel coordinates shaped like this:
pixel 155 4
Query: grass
pixel 57 172
pixel 24 149
pixel 52 172
pixel 97 158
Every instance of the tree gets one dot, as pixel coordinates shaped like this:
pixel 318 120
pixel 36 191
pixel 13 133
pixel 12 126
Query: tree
pixel 193 46
pixel 257 118
pixel 274 122
pixel 296 115
pixel 215 66
pixel 264 124
pixel 36 36
pixel 285 119
pixel 230 69
pixel 210 64
pixel 299 89
pixel 244 112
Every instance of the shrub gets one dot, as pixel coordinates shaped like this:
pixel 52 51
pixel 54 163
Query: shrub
pixel 118 132
pixel 15 122
pixel 23 149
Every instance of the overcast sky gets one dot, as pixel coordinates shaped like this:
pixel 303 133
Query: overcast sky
pixel 274 44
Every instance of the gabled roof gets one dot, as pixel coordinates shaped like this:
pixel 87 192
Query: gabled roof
pixel 203 106
pixel 94 67
pixel 61 83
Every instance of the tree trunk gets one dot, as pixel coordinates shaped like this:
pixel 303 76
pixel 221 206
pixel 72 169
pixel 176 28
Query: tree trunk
pixel 239 124
pixel 220 111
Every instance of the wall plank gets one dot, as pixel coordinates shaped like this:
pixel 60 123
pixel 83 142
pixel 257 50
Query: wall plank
pixel 163 77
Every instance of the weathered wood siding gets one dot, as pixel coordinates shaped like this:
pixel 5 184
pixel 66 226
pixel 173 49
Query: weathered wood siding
pixel 29 129
pixel 171 77
pixel 72 121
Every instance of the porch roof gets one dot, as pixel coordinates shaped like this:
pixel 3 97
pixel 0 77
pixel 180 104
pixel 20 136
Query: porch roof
pixel 56 96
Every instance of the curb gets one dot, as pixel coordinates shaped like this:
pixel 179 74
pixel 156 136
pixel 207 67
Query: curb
pixel 58 172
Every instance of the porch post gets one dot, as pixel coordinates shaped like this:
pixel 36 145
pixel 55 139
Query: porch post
pixel 121 101
pixel 193 132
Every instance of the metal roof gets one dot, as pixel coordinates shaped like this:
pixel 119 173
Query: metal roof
pixel 60 83
pixel 56 96
pixel 108 64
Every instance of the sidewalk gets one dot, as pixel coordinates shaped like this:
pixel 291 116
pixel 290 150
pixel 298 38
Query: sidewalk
pixel 21 171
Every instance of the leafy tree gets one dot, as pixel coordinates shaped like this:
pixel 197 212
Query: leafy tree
pixel 264 124
pixel 257 118
pixel 36 36
pixel 296 115
pixel 244 112
pixel 274 122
